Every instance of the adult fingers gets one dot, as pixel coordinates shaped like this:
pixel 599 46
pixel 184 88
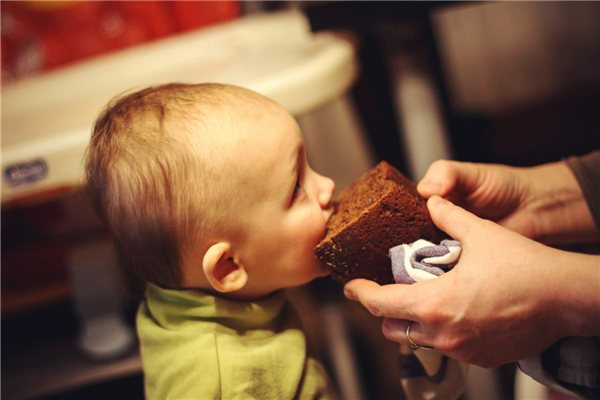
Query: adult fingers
pixel 453 220
pixel 444 176
pixel 395 330
pixel 395 301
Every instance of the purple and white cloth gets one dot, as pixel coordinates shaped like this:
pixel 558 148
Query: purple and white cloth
pixel 423 260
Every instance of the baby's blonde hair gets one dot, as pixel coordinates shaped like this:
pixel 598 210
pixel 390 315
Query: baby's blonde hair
pixel 152 189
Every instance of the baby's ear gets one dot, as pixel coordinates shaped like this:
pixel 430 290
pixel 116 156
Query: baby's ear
pixel 221 270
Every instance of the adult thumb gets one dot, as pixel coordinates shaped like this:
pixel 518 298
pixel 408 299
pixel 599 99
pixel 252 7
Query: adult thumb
pixel 450 218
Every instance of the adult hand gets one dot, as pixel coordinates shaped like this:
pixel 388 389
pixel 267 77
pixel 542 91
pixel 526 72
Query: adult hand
pixel 508 297
pixel 544 202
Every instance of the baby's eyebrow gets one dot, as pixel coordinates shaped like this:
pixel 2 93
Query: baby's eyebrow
pixel 294 169
pixel 298 154
pixel 299 164
pixel 296 162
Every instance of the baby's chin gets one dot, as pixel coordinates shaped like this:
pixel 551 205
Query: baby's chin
pixel 315 269
pixel 323 273
pixel 322 269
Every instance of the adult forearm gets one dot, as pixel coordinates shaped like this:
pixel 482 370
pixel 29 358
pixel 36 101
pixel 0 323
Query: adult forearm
pixel 559 210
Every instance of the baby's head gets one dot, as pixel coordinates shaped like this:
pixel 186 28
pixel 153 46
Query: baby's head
pixel 207 186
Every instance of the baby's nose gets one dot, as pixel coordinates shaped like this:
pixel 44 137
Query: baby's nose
pixel 326 192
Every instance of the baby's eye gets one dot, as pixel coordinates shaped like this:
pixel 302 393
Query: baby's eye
pixel 297 187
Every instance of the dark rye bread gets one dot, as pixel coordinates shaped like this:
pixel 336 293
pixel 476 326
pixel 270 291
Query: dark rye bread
pixel 380 210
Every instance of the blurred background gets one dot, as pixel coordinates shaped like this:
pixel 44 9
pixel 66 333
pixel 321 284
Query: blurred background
pixel 507 82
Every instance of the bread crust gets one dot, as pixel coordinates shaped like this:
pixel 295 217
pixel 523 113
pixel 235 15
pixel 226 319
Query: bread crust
pixel 380 210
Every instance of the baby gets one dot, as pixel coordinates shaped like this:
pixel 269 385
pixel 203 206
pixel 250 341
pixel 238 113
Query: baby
pixel 214 209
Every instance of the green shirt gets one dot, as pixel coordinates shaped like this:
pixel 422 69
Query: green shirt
pixel 198 346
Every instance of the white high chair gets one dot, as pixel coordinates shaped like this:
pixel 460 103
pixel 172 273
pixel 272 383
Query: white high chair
pixel 47 121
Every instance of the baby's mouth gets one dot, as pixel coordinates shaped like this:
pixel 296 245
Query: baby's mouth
pixel 329 211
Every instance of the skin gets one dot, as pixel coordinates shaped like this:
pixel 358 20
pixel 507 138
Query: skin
pixel 285 216
pixel 509 296
pixel 279 203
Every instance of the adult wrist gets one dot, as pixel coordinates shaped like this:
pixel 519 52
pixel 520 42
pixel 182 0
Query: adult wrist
pixel 577 300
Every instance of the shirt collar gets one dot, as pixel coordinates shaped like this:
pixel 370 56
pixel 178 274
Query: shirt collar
pixel 172 308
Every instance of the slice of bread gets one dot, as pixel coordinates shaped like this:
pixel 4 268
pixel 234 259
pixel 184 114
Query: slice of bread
pixel 380 210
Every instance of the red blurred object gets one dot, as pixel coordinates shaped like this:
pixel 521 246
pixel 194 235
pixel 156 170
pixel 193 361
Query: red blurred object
pixel 192 14
pixel 40 35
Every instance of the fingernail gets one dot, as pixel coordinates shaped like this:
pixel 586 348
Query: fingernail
pixel 431 187
pixel 349 293
pixel 436 201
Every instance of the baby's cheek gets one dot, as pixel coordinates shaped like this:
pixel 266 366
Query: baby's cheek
pixel 308 230
pixel 317 230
